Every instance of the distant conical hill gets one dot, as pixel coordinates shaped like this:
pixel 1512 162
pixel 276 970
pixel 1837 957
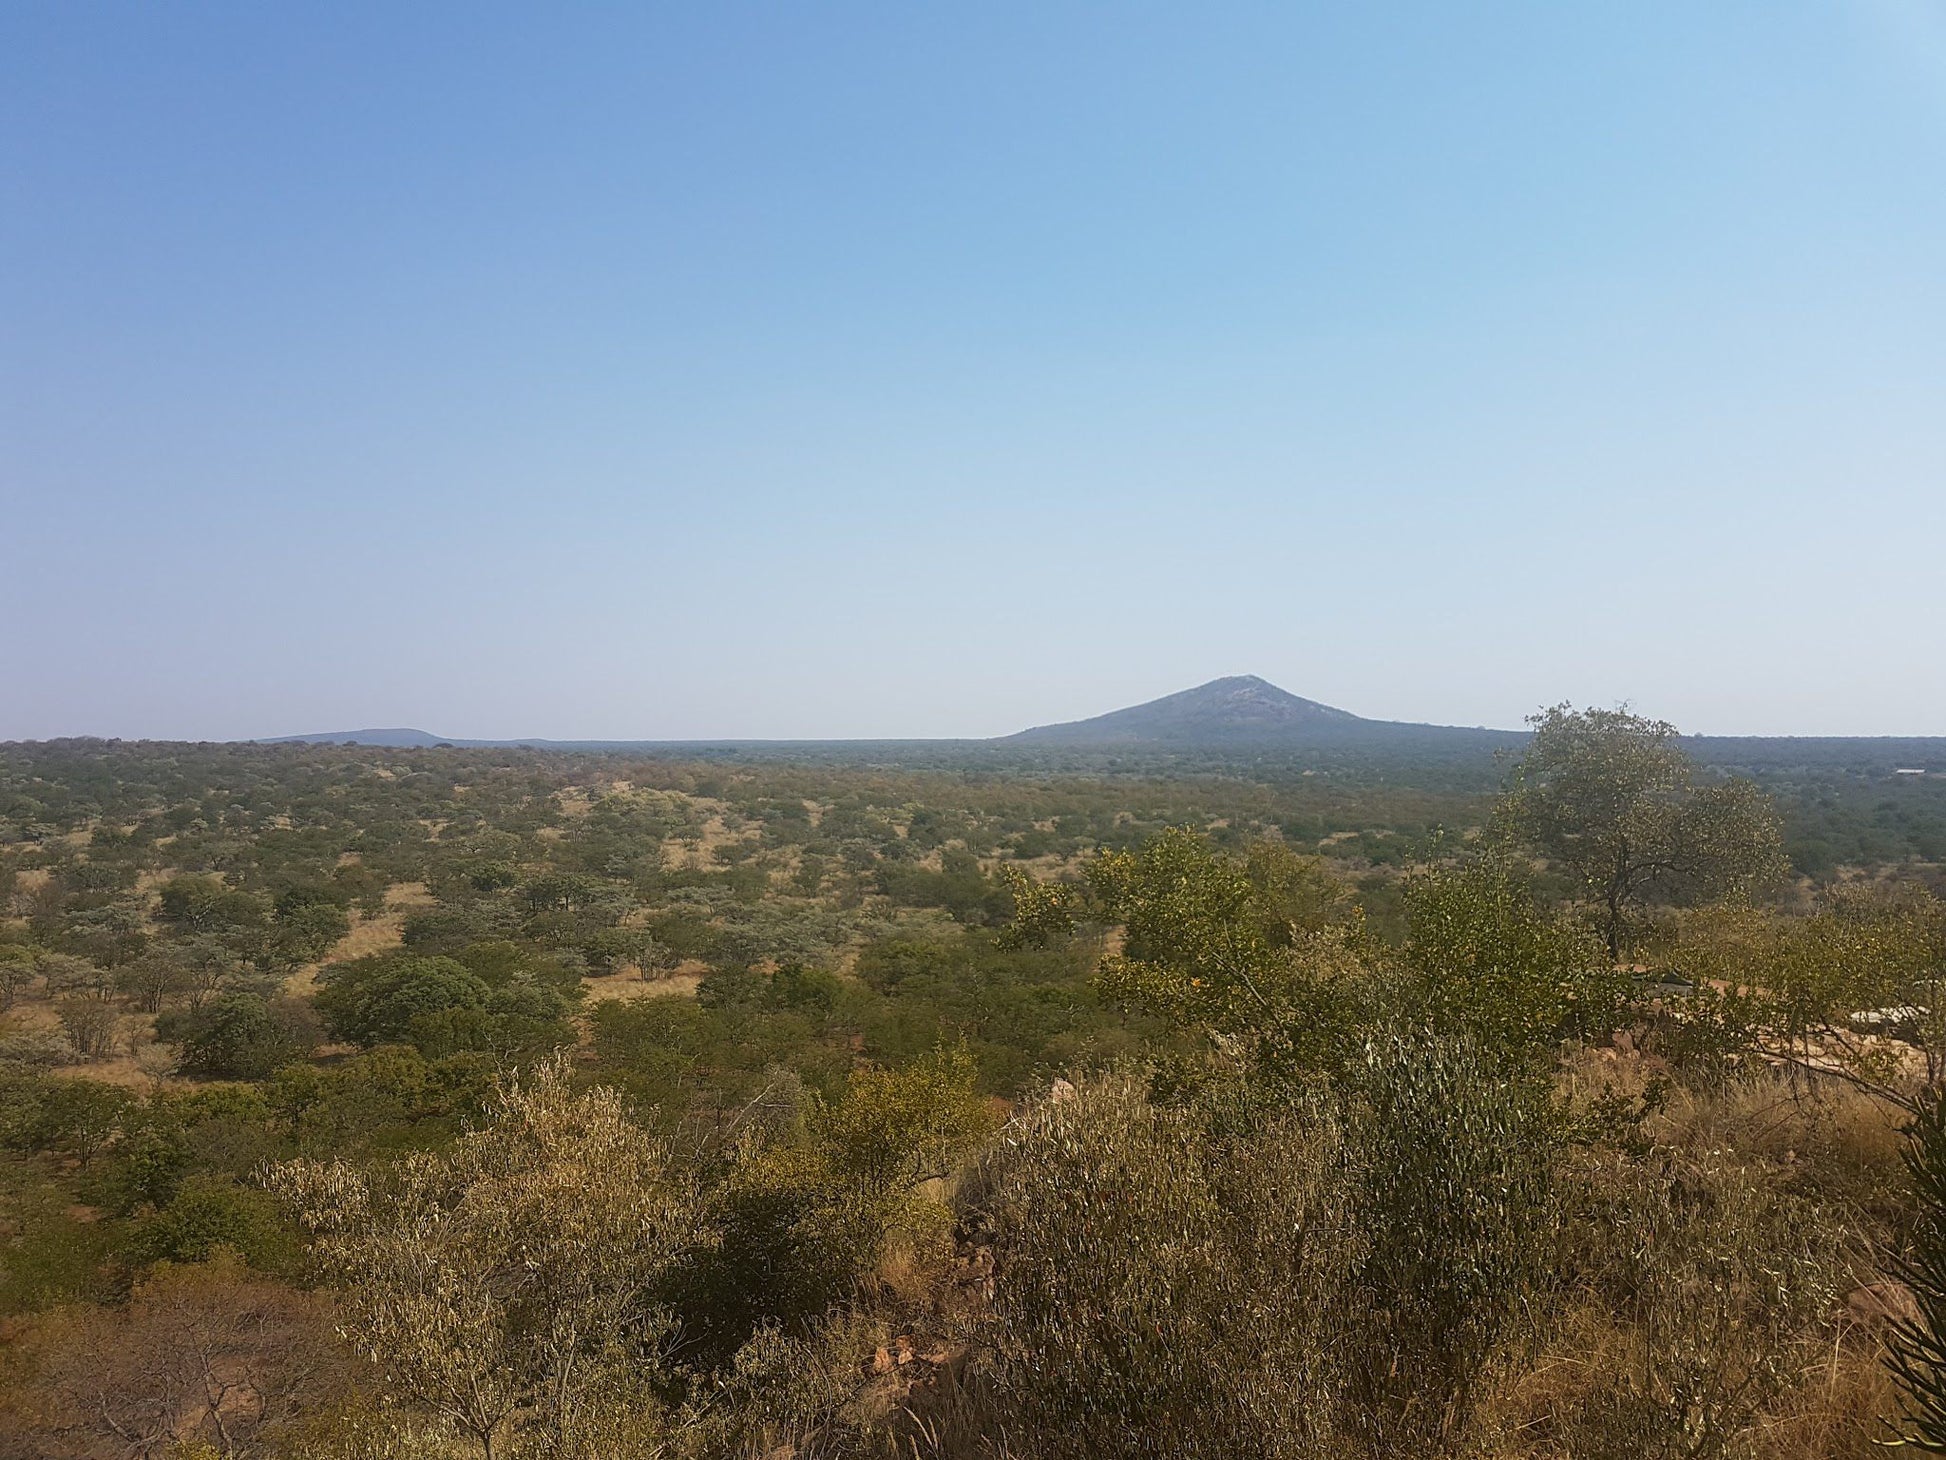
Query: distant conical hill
pixel 1235 711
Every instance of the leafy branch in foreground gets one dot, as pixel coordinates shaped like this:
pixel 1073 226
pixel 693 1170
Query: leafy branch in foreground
pixel 1916 1343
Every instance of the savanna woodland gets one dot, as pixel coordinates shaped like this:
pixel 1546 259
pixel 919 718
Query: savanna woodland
pixel 500 1103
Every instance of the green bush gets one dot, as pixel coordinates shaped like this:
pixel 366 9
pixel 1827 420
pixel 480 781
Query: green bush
pixel 1165 1288
pixel 210 1212
pixel 1455 1165
pixel 804 1214
pixel 374 1001
pixel 239 1037
pixel 1487 962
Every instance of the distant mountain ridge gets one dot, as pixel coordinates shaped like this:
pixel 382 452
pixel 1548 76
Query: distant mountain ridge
pixel 1238 710
pixel 1237 716
pixel 402 739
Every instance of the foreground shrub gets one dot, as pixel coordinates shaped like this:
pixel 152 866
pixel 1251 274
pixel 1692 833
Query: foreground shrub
pixel 512 1287
pixel 1455 1166
pixel 204 1359
pixel 804 1215
pixel 1163 1290
pixel 1245 1272
pixel 1918 1342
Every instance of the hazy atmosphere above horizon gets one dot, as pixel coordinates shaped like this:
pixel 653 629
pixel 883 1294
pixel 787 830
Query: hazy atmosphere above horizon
pixel 689 372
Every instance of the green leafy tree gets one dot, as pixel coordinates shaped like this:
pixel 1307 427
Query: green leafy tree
pixel 503 963
pixel 518 1022
pixel 306 928
pixel 1612 799
pixel 375 1000
pixel 1485 961
pixel 1209 945
pixel 210 968
pixel 152 979
pixel 238 1037
pixel 1296 896
pixel 609 950
pixel 208 905
pixel 17 973
pixel 206 1214
pixel 79 1118
pixel 1044 913
pixel 492 875
pixel 63 973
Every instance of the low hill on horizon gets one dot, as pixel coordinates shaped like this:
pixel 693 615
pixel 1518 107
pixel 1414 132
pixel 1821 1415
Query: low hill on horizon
pixel 399 739
pixel 1245 710
pixel 1241 710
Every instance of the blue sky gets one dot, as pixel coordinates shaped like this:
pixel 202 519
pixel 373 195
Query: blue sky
pixel 856 369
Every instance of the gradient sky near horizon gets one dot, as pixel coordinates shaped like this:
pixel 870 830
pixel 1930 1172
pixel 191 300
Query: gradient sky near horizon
pixel 670 371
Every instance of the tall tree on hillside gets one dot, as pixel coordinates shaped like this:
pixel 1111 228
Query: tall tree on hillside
pixel 1612 799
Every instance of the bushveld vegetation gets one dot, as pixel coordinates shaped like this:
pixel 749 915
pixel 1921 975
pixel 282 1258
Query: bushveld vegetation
pixel 438 1103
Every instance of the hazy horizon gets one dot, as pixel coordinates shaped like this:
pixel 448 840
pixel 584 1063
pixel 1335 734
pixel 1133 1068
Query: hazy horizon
pixel 869 372
pixel 463 737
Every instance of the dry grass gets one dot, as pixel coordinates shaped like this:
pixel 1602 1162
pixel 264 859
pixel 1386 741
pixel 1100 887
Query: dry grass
pixel 1836 1412
pixel 134 1065
pixel 574 802
pixel 1825 1139
pixel 1818 1143
pixel 697 849
pixel 1549 1409
pixel 626 985
pixel 368 935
